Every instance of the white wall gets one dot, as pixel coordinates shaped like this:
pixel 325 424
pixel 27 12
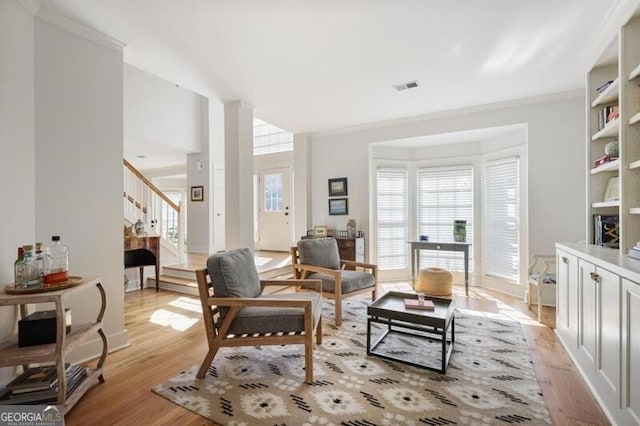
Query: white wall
pixel 79 139
pixel 157 112
pixel 556 167
pixel 17 147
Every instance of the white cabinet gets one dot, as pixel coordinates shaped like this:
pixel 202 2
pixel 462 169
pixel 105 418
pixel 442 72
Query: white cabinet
pixel 587 290
pixel 567 296
pixel 631 352
pixel 601 287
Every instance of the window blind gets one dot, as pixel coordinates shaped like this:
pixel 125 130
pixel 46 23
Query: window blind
pixel 502 218
pixel 445 194
pixel 392 218
pixel 268 138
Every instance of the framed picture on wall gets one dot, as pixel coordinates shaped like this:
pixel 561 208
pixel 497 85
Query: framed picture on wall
pixel 338 206
pixel 197 193
pixel 320 231
pixel 338 187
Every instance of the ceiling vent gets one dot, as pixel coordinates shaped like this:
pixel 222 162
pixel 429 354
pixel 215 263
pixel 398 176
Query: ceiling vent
pixel 408 85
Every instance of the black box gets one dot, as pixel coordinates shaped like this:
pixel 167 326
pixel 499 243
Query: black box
pixel 39 328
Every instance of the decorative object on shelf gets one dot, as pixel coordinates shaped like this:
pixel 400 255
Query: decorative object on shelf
pixel 612 192
pixel 459 231
pixel 338 187
pixel 128 231
pixel 39 328
pixel 611 149
pixel 424 238
pixel 139 227
pixel 320 231
pixel 607 230
pixel 338 207
pixel 351 227
pixel 197 193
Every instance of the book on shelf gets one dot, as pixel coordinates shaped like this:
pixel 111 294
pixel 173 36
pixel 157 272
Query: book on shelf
pixel 75 376
pixel 607 114
pixel 33 379
pixel 427 305
pixel 606 230
pixel 604 87
pixel 604 160
pixel 634 252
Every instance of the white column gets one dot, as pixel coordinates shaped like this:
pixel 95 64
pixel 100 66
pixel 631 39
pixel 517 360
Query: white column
pixel 301 185
pixel 238 127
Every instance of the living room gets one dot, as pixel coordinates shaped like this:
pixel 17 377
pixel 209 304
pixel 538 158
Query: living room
pixel 61 167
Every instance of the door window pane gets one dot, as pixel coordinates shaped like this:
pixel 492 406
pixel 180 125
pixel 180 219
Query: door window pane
pixel 273 193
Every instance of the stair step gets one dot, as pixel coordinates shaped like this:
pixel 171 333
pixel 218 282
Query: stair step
pixel 179 280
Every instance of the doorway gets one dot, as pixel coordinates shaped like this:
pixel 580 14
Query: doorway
pixel 274 213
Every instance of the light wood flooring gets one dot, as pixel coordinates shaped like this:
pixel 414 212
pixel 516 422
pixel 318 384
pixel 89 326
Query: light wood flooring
pixel 167 336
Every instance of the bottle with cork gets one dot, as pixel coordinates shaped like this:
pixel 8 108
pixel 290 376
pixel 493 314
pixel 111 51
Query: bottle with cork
pixel 56 265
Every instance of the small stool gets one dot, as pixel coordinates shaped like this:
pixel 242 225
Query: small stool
pixel 435 282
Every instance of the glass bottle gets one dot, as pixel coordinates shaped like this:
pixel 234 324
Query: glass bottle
pixel 56 267
pixel 39 262
pixel 31 278
pixel 18 269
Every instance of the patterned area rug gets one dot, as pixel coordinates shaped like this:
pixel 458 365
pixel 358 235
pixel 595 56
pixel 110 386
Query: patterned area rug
pixel 490 379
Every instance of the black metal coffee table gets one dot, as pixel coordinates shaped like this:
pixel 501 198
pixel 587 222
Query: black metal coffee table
pixel 390 310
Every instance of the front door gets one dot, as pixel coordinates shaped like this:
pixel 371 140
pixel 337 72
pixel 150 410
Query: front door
pixel 274 213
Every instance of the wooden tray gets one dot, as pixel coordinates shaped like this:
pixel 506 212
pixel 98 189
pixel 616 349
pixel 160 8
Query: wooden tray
pixel 70 282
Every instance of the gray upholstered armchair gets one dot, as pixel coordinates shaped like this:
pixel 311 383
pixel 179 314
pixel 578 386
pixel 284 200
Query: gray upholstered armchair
pixel 246 317
pixel 318 258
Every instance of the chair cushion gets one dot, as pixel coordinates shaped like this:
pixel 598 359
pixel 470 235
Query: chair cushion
pixel 253 319
pixel 351 281
pixel 233 274
pixel 549 277
pixel 322 252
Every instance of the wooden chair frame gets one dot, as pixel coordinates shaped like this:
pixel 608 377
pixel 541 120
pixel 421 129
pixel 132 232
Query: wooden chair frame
pixel 548 266
pixel 218 337
pixel 302 271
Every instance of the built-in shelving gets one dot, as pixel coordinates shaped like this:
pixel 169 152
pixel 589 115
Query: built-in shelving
pixel 610 130
pixel 609 95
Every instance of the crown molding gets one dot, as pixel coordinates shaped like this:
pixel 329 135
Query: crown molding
pixel 53 17
pixel 558 96
pixel 608 29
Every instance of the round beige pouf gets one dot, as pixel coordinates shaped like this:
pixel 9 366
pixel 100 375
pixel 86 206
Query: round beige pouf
pixel 435 282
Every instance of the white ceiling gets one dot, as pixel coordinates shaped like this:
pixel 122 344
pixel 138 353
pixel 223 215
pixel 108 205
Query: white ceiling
pixel 321 65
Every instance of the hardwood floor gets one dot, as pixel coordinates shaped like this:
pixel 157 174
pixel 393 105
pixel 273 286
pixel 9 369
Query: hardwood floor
pixel 167 336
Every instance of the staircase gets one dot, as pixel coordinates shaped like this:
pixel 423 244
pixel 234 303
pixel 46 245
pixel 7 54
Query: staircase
pixel 144 201
pixel 180 277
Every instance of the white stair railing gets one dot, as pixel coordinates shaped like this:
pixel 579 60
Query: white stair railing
pixel 144 201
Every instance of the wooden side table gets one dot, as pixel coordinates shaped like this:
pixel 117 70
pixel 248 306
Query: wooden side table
pixel 11 354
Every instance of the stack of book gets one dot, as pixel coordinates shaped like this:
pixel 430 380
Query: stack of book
pixel 39 385
pixel 607 114
pixel 634 252
pixel 603 160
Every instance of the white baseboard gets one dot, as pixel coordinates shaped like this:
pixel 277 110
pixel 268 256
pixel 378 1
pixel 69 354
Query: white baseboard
pixel 93 348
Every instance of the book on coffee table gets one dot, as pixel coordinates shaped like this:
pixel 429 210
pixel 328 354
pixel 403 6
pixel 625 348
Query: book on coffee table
pixel 415 304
